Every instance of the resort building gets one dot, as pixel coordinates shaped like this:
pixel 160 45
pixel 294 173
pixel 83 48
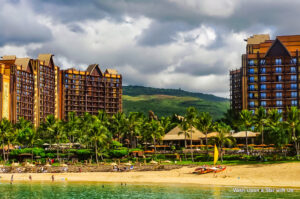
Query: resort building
pixel 269 76
pixel 35 88
pixel 90 91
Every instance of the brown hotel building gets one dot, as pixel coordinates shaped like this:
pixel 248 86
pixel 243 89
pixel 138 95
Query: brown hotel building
pixel 269 76
pixel 35 88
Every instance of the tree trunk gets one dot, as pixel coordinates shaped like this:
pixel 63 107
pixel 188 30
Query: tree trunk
pixel 247 143
pixel 3 152
pixel 296 144
pixel 96 151
pixel 221 149
pixel 185 146
pixel 191 147
pixel 57 153
pixel 8 150
pixel 262 137
pixel 206 143
pixel 154 142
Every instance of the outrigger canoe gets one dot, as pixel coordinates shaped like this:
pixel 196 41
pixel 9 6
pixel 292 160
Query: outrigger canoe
pixel 206 169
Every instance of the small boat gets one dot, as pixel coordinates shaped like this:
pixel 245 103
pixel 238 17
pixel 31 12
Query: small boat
pixel 210 169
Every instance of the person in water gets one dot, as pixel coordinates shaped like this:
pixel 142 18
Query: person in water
pixel 52 177
pixel 30 178
pixel 11 179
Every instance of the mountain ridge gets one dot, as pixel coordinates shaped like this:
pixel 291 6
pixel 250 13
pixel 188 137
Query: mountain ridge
pixel 166 102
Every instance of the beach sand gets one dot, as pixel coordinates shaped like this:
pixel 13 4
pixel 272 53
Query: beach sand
pixel 270 175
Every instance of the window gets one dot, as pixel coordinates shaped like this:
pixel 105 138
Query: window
pixel 251 95
pixel 293 94
pixel 293 69
pixel 278 78
pixel 251 104
pixel 251 79
pixel 278 62
pixel 278 70
pixel 279 111
pixel 251 87
pixel 263 95
pixel 252 111
pixel 293 61
pixel 278 95
pixel 263 62
pixel 251 71
pixel 263 103
pixel 251 62
pixel 263 78
pixel 293 86
pixel 278 103
pixel 263 87
pixel 263 70
pixel 293 77
pixel 278 86
pixel 294 102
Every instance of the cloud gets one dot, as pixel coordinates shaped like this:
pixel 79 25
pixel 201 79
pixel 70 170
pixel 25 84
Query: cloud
pixel 20 25
pixel 188 44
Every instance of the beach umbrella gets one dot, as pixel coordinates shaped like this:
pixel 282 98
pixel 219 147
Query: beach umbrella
pixel 63 165
pixel 113 164
pixel 153 162
pixel 48 165
pixel 127 164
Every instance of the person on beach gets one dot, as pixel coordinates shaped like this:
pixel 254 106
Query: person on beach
pixel 52 177
pixel 30 178
pixel 11 179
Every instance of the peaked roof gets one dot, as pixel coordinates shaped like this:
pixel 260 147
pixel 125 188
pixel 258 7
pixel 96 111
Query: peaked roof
pixel 23 62
pixel 173 134
pixel 111 71
pixel 92 67
pixel 277 49
pixel 45 58
pixel 9 57
pixel 242 134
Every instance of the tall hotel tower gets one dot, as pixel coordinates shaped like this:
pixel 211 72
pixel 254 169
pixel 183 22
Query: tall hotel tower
pixel 36 88
pixel 269 76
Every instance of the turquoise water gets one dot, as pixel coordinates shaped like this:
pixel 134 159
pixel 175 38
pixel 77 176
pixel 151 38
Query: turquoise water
pixel 100 190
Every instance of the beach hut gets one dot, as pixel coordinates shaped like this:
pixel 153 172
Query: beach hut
pixel 173 137
pixel 241 136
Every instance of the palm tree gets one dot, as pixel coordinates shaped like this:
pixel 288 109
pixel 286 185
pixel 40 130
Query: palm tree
pixel 5 128
pixel 293 122
pixel 85 123
pixel 72 126
pixel 118 124
pixel 133 125
pixel 260 120
pixel 155 131
pixel 190 117
pixel 184 126
pixel 99 135
pixel 204 124
pixel 223 137
pixel 246 120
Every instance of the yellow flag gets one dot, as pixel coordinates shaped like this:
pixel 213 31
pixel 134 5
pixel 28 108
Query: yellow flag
pixel 216 155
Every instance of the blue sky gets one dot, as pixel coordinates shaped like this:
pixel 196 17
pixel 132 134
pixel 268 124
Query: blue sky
pixel 187 44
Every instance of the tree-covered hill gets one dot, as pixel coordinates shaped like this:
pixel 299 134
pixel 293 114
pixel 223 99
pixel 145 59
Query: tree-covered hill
pixel 166 102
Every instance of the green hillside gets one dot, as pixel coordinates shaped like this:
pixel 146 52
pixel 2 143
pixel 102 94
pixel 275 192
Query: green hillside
pixel 166 102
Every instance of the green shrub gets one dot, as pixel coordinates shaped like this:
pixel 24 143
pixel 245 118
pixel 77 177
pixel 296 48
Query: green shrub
pixel 118 153
pixel 136 149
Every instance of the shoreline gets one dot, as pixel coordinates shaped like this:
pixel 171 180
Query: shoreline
pixel 259 175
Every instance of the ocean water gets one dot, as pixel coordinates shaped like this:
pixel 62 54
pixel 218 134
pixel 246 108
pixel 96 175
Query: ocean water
pixel 144 191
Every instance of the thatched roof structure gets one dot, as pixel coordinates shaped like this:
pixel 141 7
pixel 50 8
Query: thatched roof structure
pixel 173 134
pixel 212 134
pixel 242 134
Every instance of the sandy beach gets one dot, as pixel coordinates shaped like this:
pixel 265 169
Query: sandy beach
pixel 273 175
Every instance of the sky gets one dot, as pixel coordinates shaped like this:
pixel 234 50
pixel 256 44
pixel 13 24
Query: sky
pixel 186 44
